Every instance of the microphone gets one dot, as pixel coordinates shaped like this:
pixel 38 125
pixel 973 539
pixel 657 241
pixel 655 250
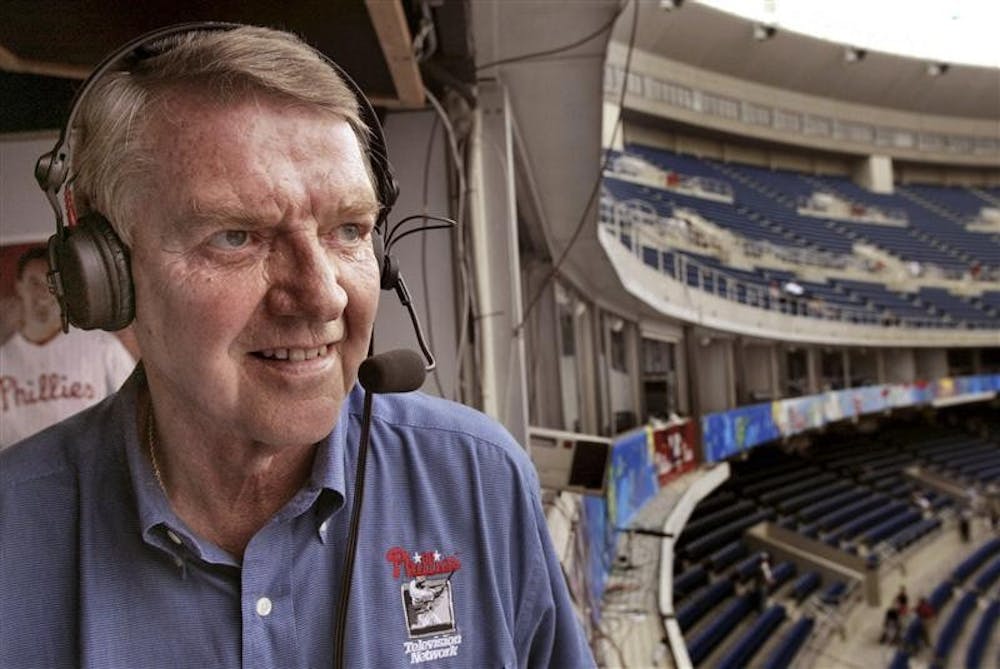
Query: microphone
pixel 398 371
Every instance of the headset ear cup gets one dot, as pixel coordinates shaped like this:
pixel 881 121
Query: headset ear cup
pixel 95 275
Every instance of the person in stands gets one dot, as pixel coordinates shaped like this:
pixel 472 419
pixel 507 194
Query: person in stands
pixel 45 375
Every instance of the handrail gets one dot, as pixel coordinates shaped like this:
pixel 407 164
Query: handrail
pixel 638 220
pixel 637 166
pixel 624 211
pixel 871 212
pixel 758 294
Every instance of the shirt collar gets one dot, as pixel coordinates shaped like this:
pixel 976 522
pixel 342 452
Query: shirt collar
pixel 161 527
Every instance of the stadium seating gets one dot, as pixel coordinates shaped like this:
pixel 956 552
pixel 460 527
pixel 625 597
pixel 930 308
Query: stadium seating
pixel 805 585
pixel 970 564
pixel 726 556
pixel 700 603
pixel 689 581
pixel 989 575
pixel 739 654
pixel 833 593
pixel 704 642
pixel 981 636
pixel 900 660
pixel 703 546
pixel 926 225
pixel 952 628
pixel 784 653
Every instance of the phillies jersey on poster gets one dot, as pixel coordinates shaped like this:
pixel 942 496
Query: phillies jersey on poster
pixel 41 385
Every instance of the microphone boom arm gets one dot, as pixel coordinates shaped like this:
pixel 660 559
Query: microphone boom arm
pixel 404 297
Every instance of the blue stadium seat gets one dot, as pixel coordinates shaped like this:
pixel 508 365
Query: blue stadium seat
pixel 703 643
pixel 833 593
pixel 726 556
pixel 974 561
pixel 784 653
pixel 692 611
pixel 805 585
pixel 981 637
pixel 750 642
pixel 900 660
pixel 689 581
pixel 952 629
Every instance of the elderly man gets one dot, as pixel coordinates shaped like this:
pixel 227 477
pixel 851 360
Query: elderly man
pixel 46 376
pixel 199 517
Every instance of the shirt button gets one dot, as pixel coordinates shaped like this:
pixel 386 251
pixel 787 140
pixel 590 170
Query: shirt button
pixel 263 606
pixel 173 537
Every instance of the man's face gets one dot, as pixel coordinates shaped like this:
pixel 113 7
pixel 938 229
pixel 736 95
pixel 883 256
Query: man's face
pixel 256 284
pixel 40 306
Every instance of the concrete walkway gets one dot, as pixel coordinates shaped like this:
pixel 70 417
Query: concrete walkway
pixel 921 572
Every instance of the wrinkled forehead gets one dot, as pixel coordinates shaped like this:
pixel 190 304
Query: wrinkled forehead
pixel 254 158
pixel 190 130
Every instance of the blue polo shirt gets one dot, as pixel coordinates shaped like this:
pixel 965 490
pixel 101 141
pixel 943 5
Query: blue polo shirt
pixel 454 565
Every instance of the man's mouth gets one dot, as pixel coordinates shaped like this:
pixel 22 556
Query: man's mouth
pixel 293 354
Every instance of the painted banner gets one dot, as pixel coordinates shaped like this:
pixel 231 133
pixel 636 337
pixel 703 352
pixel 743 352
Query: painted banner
pixel 632 477
pixel 673 450
pixel 798 415
pixel 727 433
pixel 600 545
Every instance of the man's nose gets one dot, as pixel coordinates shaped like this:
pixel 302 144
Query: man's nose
pixel 305 280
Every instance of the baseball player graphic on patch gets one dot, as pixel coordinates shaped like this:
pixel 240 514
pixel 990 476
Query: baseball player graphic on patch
pixel 428 606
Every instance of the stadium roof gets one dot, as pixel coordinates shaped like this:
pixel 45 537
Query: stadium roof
pixel 717 41
pixel 957 32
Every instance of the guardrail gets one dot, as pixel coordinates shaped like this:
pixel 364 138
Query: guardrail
pixel 621 213
pixel 855 211
pixel 639 229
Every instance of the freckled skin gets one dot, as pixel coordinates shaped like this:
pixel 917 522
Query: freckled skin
pixel 292 178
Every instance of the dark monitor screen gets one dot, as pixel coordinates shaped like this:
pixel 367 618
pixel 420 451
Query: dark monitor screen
pixel 590 459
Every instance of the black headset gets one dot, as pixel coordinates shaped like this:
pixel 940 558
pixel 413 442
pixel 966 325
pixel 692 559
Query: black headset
pixel 89 268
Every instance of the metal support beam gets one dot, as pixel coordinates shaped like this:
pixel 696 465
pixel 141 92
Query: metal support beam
pixel 492 200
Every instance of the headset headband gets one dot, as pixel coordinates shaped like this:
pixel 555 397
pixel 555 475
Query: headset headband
pixel 52 168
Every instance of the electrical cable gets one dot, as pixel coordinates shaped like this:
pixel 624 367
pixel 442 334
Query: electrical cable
pixel 467 299
pixel 340 626
pixel 427 228
pixel 566 47
pixel 391 241
pixel 597 182
pixel 424 274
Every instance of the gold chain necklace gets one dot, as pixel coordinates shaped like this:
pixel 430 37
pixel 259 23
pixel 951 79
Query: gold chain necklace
pixel 151 439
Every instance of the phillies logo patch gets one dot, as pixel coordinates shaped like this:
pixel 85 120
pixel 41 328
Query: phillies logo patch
pixel 428 607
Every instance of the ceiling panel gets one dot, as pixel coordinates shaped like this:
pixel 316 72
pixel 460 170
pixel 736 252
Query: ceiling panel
pixel 723 43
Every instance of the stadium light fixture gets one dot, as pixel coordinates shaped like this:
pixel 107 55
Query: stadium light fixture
pixel 937 69
pixel 763 32
pixel 854 55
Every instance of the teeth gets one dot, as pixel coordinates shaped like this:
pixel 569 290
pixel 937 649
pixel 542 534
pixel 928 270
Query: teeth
pixel 294 354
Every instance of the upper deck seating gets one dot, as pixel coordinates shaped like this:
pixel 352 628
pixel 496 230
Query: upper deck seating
pixel 956 308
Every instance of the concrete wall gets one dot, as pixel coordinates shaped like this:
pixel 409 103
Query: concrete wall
pixel 650 72
pixel 758 372
pixel 716 378
pixel 25 214
pixel 900 365
pixel 931 363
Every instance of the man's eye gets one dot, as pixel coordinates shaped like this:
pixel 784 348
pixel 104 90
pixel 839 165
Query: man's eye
pixel 350 232
pixel 230 239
